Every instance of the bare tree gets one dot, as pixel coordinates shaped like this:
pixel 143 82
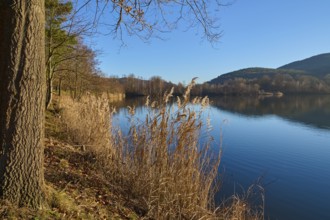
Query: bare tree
pixel 64 25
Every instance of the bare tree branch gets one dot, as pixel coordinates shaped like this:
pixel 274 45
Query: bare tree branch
pixel 149 18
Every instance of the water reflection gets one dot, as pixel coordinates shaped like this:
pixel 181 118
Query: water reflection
pixel 293 159
pixel 310 110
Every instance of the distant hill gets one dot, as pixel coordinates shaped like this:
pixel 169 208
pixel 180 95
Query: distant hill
pixel 253 73
pixel 318 65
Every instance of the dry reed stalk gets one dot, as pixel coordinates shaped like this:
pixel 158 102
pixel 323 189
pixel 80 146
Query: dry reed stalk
pixel 247 206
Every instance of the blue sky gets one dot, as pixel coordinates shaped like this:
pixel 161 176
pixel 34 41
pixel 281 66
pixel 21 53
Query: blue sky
pixel 256 33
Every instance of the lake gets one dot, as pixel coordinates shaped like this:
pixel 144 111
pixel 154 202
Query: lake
pixel 284 141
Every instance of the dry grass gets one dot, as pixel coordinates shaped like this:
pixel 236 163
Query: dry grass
pixel 160 164
pixel 87 122
pixel 247 206
pixel 76 189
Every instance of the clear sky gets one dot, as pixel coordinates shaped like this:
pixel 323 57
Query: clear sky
pixel 256 33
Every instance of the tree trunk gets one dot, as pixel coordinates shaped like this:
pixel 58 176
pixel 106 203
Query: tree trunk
pixel 49 70
pixel 22 103
pixel 75 82
pixel 49 92
pixel 59 86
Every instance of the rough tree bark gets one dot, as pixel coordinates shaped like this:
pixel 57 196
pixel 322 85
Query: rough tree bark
pixel 22 102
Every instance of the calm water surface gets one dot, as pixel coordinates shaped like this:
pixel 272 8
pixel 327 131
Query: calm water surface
pixel 284 140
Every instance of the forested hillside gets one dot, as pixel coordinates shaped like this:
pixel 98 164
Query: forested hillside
pixel 318 65
pixel 311 75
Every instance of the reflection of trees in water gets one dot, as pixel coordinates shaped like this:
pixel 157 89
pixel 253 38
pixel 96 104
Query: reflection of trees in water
pixel 138 102
pixel 312 110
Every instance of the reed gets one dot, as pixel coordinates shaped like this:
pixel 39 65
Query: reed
pixel 87 122
pixel 160 164
pixel 161 160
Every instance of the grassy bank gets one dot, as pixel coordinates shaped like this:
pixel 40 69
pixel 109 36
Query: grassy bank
pixel 156 171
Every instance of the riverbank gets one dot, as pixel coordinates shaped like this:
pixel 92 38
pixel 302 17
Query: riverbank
pixel 88 177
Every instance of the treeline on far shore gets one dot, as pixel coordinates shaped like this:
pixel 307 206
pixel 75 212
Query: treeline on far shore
pixel 266 85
